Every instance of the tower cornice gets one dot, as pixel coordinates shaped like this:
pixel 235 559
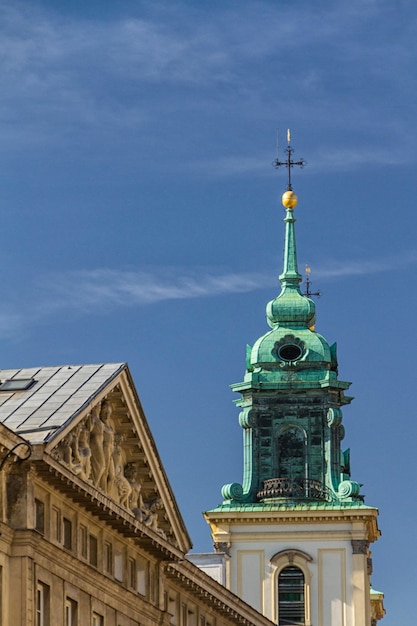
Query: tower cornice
pixel 325 516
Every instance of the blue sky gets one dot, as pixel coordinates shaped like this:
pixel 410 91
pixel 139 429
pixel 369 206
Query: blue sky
pixel 141 218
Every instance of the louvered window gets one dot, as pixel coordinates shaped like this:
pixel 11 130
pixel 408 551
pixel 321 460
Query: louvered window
pixel 291 610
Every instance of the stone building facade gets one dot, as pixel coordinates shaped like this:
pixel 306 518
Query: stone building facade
pixel 90 533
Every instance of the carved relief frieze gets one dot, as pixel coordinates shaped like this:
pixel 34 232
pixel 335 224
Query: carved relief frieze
pixel 94 452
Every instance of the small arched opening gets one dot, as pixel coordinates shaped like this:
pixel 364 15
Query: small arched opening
pixel 291 597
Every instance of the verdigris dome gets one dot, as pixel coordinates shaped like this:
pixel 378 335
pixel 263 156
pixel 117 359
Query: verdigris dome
pixel 291 308
pixel 285 345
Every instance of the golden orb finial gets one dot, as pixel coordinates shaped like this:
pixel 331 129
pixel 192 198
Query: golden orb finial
pixel 289 199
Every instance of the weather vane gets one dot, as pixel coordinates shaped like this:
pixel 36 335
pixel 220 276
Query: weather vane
pixel 307 284
pixel 289 163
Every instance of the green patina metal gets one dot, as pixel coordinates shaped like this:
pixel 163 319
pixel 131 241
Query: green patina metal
pixel 290 402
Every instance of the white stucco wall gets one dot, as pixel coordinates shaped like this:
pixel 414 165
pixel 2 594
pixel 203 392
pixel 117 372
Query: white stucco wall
pixel 336 581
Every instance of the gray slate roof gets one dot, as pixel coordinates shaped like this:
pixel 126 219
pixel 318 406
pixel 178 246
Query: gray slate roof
pixel 57 395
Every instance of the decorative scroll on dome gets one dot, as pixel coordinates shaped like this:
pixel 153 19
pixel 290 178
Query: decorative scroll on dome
pixel 233 491
pixel 349 489
pixel 97 452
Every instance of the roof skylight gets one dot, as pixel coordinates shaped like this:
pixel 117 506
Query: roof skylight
pixel 16 384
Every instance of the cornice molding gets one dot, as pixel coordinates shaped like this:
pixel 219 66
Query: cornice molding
pixel 271 517
pixel 96 502
pixel 367 516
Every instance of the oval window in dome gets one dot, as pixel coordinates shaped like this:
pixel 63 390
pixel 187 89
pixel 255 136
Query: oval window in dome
pixel 289 352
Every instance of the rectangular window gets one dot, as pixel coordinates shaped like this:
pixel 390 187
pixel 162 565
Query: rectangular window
pixel 108 557
pixel 142 577
pixel 39 516
pixel 83 542
pixel 67 533
pixel 92 550
pixel 118 566
pixel 71 612
pixel 42 604
pixel 97 620
pixel 16 384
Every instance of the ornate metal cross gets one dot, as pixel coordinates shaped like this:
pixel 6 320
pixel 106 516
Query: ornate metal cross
pixel 289 163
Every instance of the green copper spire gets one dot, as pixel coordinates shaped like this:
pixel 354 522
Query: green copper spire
pixel 290 308
pixel 291 400
pixel 290 275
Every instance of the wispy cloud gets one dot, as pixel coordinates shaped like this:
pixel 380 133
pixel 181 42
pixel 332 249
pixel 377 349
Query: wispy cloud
pixel 102 291
pixel 339 269
pixel 86 290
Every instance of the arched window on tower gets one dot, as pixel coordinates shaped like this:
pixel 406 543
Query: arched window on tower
pixel 291 604
pixel 291 453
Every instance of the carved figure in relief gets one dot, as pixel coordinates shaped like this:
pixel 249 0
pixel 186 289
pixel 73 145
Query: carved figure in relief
pixel 73 452
pixel 145 513
pixel 84 451
pixel 65 450
pixel 123 486
pixel 96 427
pixel 73 438
pixel 135 500
pixel 108 446
pixel 150 517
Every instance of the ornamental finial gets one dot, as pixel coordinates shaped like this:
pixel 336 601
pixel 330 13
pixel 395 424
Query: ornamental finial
pixel 289 198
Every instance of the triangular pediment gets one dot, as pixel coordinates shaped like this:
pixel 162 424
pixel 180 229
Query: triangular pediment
pixel 109 446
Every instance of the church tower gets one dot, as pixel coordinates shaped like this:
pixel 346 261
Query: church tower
pixel 296 533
